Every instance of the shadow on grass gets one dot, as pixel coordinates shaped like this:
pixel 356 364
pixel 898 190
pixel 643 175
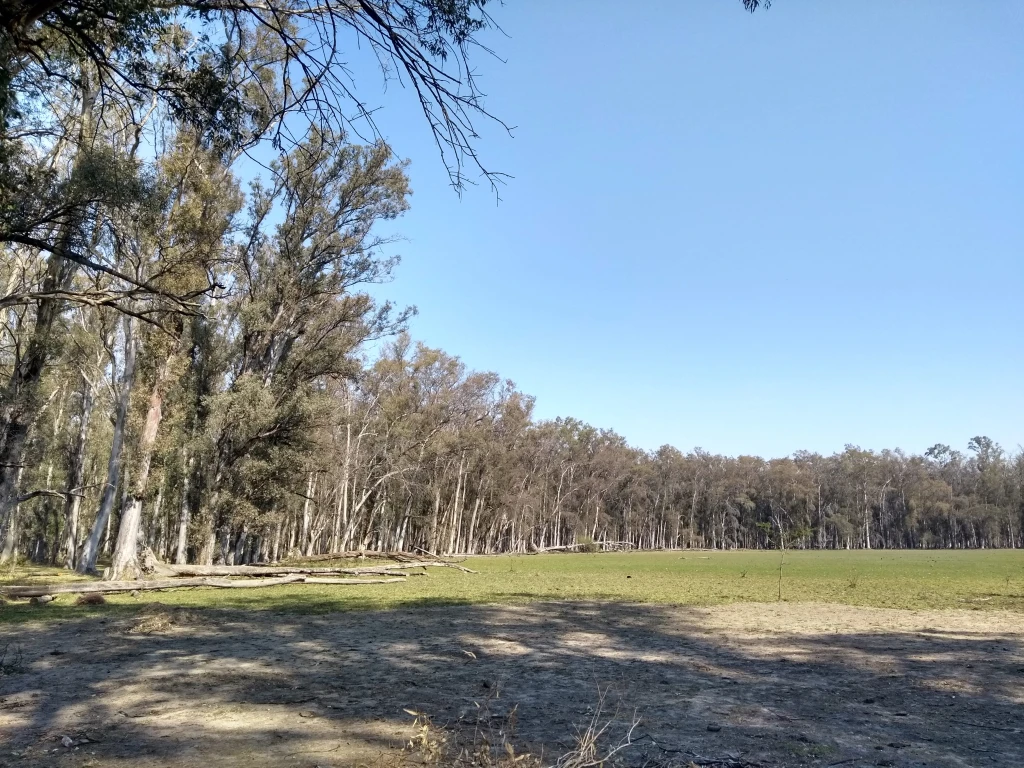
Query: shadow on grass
pixel 65 609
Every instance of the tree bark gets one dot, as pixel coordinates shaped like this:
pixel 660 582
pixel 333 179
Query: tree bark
pixel 20 398
pixel 90 551
pixel 305 542
pixel 183 512
pixel 73 505
pixel 125 560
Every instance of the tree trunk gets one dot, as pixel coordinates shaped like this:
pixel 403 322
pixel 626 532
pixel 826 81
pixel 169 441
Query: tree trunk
pixel 183 511
pixel 206 553
pixel 693 512
pixel 867 521
pixel 470 542
pixel 306 542
pixel 456 508
pixel 37 554
pixel 91 549
pixel 20 398
pixel 243 539
pixel 10 548
pixel 275 550
pixel 342 524
pixel 125 562
pixel 158 524
pixel 73 504
pixel 432 541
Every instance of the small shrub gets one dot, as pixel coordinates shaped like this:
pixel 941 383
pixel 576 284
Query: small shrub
pixel 587 544
pixel 160 618
pixel 434 745
pixel 493 745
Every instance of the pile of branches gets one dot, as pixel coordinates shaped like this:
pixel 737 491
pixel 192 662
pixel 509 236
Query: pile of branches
pixel 595 546
pixel 158 575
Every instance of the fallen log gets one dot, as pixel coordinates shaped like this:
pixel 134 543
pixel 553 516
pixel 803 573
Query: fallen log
pixel 328 580
pixel 358 554
pixel 604 546
pixel 152 584
pixel 131 586
pixel 421 564
pixel 166 569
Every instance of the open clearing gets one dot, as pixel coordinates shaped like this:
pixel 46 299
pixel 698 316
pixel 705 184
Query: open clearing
pixel 881 578
pixel 802 682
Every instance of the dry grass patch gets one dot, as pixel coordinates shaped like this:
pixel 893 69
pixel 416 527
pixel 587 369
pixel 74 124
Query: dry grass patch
pixel 156 618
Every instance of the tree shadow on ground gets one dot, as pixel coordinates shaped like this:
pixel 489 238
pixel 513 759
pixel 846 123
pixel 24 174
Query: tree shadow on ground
pixel 814 685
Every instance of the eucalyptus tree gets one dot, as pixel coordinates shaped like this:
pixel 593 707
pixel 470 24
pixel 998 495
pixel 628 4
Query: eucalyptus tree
pixel 297 315
pixel 183 245
pixel 234 73
pixel 99 178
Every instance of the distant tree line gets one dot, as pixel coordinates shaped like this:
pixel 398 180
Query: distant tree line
pixel 257 433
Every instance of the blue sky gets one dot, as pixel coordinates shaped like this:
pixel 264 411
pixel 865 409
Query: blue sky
pixel 755 234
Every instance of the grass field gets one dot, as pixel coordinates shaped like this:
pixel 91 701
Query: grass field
pixel 990 579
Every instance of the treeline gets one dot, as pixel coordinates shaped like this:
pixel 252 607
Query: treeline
pixel 184 355
pixel 243 443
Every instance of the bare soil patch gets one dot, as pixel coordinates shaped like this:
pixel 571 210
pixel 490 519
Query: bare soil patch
pixel 781 685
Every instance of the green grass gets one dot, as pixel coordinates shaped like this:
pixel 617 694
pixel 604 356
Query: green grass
pixel 980 580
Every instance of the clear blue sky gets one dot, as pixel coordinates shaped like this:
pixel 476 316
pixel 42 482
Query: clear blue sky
pixel 797 229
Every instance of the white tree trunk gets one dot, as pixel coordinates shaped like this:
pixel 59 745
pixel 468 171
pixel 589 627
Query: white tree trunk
pixel 305 542
pixel 183 513
pixel 91 549
pixel 73 504
pixel 125 560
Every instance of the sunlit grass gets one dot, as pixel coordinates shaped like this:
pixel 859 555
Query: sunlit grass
pixel 980 580
pixel 20 573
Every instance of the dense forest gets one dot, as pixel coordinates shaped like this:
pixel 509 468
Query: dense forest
pixel 185 344
pixel 411 450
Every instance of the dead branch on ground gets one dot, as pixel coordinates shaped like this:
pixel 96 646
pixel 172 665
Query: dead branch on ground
pixel 164 569
pixel 40 590
pixel 362 554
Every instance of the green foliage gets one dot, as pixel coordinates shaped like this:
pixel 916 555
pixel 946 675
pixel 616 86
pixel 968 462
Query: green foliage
pixel 234 72
pixel 299 317
pixel 37 198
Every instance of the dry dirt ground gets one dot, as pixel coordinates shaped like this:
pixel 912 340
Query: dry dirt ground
pixel 780 685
